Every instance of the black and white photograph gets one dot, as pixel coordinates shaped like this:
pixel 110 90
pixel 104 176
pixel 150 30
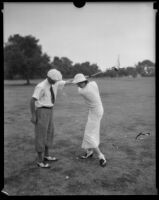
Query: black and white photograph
pixel 79 98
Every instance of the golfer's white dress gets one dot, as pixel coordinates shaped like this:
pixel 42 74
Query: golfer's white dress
pixel 92 98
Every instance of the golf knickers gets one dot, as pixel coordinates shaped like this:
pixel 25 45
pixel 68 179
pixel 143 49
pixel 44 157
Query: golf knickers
pixel 44 129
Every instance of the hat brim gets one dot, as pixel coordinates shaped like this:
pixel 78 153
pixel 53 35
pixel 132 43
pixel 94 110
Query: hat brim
pixel 52 78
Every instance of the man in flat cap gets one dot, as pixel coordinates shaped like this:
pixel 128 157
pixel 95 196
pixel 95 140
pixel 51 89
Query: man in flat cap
pixel 41 106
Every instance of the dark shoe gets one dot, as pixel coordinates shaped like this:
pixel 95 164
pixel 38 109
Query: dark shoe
pixel 87 155
pixel 49 158
pixel 43 165
pixel 102 162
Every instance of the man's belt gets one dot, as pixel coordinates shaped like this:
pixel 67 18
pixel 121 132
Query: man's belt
pixel 46 107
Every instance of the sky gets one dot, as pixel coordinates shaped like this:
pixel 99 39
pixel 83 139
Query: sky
pixel 100 33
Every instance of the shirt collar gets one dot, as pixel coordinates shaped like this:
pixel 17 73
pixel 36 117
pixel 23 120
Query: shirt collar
pixel 47 83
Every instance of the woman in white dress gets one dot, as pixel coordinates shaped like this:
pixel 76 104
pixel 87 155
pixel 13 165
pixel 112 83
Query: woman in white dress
pixel 90 92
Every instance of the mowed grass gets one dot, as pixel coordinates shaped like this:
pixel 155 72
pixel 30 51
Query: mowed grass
pixel 129 106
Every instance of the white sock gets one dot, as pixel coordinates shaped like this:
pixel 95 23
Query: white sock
pixel 89 151
pixel 101 156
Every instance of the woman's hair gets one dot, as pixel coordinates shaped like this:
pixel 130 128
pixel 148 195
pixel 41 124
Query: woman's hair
pixel 86 81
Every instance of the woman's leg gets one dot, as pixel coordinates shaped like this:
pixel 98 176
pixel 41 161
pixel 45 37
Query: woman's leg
pixel 99 153
pixel 88 153
pixel 102 160
pixel 89 150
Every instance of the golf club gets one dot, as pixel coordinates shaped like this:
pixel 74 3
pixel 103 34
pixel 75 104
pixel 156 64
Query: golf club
pixel 114 68
pixel 93 74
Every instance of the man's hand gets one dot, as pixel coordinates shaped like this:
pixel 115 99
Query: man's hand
pixel 33 119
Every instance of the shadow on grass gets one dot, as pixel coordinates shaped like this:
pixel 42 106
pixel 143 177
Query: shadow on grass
pixel 17 178
pixel 120 183
pixel 77 187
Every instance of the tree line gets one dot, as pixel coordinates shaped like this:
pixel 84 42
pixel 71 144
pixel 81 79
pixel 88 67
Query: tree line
pixel 24 59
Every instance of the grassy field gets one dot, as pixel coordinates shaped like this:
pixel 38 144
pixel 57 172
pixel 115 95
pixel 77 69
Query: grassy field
pixel 129 106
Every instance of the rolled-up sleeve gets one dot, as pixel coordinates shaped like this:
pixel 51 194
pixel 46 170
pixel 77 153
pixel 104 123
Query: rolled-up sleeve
pixel 37 93
pixel 61 84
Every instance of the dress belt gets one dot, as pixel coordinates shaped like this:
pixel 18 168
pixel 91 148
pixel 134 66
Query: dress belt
pixel 46 107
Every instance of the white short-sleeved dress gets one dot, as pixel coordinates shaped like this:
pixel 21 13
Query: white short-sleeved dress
pixel 91 95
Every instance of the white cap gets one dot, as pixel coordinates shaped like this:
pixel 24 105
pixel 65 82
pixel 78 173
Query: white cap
pixel 54 74
pixel 79 78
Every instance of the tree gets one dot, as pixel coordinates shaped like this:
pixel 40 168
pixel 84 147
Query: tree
pixel 147 63
pixel 43 67
pixel 76 69
pixel 67 66
pixel 62 64
pixel 86 68
pixel 131 71
pixel 140 67
pixel 110 73
pixel 23 56
pixel 122 72
pixel 68 70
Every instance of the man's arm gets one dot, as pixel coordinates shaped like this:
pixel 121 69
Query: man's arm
pixel 33 111
pixel 63 83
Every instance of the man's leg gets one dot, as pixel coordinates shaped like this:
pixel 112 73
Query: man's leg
pixel 46 153
pixel 40 157
pixel 50 133
pixel 40 133
pixel 49 140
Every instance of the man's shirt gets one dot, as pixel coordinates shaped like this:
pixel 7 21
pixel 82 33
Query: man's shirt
pixel 43 95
